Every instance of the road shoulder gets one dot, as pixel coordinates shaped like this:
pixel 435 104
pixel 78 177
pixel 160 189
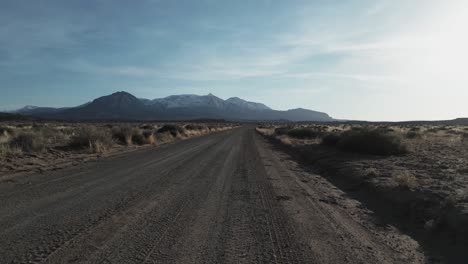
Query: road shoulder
pixel 326 216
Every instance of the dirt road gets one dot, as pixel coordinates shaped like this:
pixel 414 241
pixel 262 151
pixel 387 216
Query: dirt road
pixel 222 198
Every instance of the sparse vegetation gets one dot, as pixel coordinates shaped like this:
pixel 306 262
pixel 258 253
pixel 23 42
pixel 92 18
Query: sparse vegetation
pixel 97 141
pixel 124 134
pixel 149 137
pixel 331 139
pixel 7 150
pixel 374 142
pixel 29 142
pixel 174 130
pixel 305 133
pixel 139 139
pixel 40 144
pixel 413 134
pixel 465 137
pixel 282 130
pixel 195 127
pixel 410 165
pixel 372 172
pixel 405 179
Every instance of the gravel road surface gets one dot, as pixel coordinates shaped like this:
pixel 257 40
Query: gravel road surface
pixel 221 198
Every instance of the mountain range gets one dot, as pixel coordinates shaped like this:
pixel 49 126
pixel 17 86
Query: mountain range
pixel 125 106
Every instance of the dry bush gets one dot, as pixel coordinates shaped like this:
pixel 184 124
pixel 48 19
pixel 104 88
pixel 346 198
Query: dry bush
pixel 164 137
pixel 195 127
pixel 464 137
pixel 386 129
pixel 374 142
pixel 372 172
pixel 29 142
pixel 147 127
pixel 139 139
pixel 282 130
pixel 149 137
pixel 215 128
pixel 305 133
pixel 174 130
pixel 7 131
pixel 4 135
pixel 331 139
pixel 57 137
pixel 413 134
pixel 405 179
pixel 265 131
pixel 124 134
pixel 7 150
pixel 96 140
pixel 285 140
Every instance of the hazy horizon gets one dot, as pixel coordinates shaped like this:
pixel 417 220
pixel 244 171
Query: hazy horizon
pixel 366 60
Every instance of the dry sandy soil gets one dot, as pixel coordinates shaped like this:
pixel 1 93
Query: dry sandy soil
pixel 226 197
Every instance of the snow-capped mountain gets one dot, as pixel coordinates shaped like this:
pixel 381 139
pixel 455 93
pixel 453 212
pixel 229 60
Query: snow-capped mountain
pixel 190 100
pixel 237 102
pixel 122 105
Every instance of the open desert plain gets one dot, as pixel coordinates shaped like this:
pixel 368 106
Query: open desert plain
pixel 232 193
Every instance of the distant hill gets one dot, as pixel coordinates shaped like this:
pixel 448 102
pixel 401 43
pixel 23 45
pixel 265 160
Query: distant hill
pixel 125 106
pixel 14 117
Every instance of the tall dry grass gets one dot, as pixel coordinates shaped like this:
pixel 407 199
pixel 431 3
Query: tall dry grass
pixel 93 139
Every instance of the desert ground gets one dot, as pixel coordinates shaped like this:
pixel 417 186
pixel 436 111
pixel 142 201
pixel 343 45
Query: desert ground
pixel 45 146
pixel 229 193
pixel 413 176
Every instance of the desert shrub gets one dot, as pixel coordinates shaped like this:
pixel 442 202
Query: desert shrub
pixel 5 134
pixel 285 140
pixel 7 131
pixel 54 135
pixel 303 133
pixel 6 149
pixel 139 139
pixel 29 141
pixel 149 136
pixel 372 142
pixel 385 129
pixel 405 179
pixel 174 130
pixel 453 132
pixel 282 130
pixel 465 137
pixel 331 139
pixel 412 135
pixel 357 128
pixel 146 127
pixel 37 126
pixel 97 140
pixel 371 172
pixel 147 133
pixel 195 127
pixel 124 134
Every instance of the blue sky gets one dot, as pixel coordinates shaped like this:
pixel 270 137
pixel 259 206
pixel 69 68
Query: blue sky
pixel 374 60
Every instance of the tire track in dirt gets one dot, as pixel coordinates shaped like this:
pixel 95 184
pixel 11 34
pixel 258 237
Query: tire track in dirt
pixel 57 237
pixel 222 198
